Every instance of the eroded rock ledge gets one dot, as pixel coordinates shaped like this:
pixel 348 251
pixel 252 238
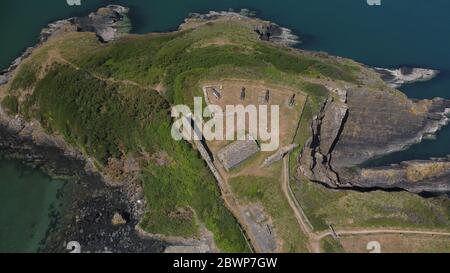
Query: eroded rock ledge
pixel 406 75
pixel 415 176
pixel 369 124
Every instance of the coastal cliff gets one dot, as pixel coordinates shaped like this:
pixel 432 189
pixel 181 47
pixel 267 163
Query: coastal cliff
pixel 376 123
pixel 419 176
pixel 406 75
pixel 266 30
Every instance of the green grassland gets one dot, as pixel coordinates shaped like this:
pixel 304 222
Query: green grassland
pixel 113 120
pixel 101 98
pixel 268 192
pixel 351 209
pixel 331 245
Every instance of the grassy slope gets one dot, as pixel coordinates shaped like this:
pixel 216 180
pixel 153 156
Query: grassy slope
pixel 331 245
pixel 391 244
pixel 112 119
pixel 268 192
pixel 349 209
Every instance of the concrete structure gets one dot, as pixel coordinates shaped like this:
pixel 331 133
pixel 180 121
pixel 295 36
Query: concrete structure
pixel 237 152
pixel 278 155
pixel 216 94
pixel 212 90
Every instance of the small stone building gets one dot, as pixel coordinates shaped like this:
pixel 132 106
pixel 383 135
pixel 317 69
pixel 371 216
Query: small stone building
pixel 237 152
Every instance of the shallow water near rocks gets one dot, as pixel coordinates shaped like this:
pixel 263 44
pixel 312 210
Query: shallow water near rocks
pixel 29 202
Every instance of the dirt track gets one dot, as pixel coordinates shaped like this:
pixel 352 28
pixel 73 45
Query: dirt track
pixel 315 238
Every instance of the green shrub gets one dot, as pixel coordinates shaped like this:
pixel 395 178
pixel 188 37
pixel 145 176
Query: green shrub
pixel 25 78
pixel 11 103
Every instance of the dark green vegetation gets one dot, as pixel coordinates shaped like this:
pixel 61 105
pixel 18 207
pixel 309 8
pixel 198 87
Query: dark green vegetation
pixel 108 120
pixel 11 104
pixel 25 78
pixel 268 192
pixel 171 58
pixel 111 120
pixel 331 245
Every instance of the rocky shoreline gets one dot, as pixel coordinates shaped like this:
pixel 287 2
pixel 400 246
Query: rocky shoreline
pixel 109 23
pixel 267 31
pixel 94 202
pixel 103 211
pixel 406 75
pixel 91 203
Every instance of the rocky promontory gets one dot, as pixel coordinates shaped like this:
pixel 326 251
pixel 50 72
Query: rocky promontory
pixel 109 23
pixel 418 176
pixel 371 123
pixel 406 75
pixel 267 31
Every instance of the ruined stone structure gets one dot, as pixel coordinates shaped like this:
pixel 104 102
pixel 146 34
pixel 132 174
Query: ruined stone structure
pixel 292 101
pixel 236 153
pixel 243 93
pixel 216 94
pixel 267 96
pixel 278 155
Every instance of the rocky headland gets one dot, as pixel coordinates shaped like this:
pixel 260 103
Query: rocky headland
pixel 418 176
pixel 109 23
pixel 266 30
pixel 406 75
pixel 366 124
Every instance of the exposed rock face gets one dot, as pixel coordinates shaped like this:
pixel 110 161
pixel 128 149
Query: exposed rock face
pixel 278 155
pixel 327 126
pixel 380 123
pixel 414 176
pixel 406 75
pixel 107 22
pixel 371 123
pixel 274 33
pixel 267 31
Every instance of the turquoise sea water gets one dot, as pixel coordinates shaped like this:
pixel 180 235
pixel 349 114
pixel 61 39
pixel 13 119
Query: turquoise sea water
pixel 399 32
pixel 28 201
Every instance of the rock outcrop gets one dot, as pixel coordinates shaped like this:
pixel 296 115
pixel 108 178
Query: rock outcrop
pixel 406 75
pixel 108 23
pixel 369 124
pixel 267 31
pixel 317 153
pixel 418 176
